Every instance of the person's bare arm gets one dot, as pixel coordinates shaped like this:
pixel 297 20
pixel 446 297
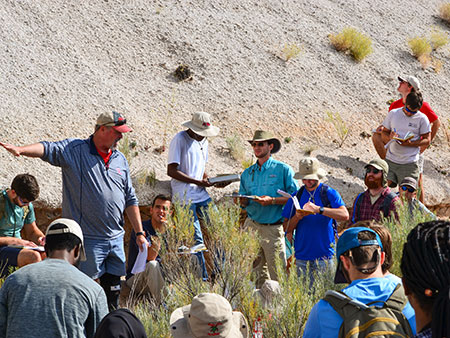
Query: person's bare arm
pixel 31 232
pixel 434 128
pixel 424 141
pixel 134 216
pixel 153 250
pixel 339 214
pixel 15 241
pixel 173 172
pixel 386 135
pixel 31 150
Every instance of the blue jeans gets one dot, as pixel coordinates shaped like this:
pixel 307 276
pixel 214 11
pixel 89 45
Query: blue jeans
pixel 315 267
pixel 200 209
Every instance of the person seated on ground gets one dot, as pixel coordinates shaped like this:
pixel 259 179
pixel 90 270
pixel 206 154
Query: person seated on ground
pixel 360 257
pixel 53 298
pixel 209 314
pixel 150 281
pixel 414 131
pixel 408 189
pixel 407 85
pixel 425 266
pixel 378 200
pixel 386 241
pixel 315 233
pixel 120 323
pixel 17 219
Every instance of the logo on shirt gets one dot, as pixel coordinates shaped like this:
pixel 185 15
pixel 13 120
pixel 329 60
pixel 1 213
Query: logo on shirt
pixel 118 171
pixel 414 125
pixel 272 176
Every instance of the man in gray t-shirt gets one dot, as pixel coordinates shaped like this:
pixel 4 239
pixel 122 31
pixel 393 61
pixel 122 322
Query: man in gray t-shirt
pixel 53 298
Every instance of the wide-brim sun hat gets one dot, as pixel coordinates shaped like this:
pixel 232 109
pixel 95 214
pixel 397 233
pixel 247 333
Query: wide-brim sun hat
pixel 201 125
pixel 308 169
pixel 262 136
pixel 209 314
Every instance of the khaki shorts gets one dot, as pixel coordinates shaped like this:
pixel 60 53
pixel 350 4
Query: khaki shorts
pixel 397 172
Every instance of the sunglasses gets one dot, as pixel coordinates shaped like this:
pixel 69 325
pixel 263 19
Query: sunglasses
pixel 410 111
pixel 405 187
pixel 372 170
pixel 258 144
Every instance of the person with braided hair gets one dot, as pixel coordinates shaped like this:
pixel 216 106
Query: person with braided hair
pixel 425 267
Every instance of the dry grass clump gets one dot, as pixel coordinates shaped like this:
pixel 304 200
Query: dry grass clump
pixel 350 40
pixel 444 11
pixel 290 51
pixel 340 125
pixel 438 38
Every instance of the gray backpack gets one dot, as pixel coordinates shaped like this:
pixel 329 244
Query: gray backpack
pixel 376 319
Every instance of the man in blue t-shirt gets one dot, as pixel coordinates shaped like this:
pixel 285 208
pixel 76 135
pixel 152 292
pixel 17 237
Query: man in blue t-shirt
pixel 18 229
pixel 314 223
pixel 150 281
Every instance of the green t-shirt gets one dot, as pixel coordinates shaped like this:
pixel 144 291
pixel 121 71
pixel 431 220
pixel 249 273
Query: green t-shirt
pixel 13 217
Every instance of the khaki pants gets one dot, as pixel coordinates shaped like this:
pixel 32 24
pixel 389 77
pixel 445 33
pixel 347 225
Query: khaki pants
pixel 148 281
pixel 272 246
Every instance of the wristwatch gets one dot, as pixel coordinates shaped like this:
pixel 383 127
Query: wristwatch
pixel 321 210
pixel 140 233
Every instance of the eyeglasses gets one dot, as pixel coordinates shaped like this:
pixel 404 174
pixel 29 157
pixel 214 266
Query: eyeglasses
pixel 410 111
pixel 259 144
pixel 372 170
pixel 410 189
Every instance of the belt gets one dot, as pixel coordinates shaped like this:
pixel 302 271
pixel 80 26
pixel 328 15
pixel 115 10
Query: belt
pixel 276 223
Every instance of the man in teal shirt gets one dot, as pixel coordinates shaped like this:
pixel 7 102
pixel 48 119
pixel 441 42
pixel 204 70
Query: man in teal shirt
pixel 262 180
pixel 17 218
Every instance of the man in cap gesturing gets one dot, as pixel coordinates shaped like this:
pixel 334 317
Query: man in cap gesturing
pixel 97 189
pixel 188 154
pixel 263 179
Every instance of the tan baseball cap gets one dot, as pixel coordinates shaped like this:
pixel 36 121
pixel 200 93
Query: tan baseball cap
pixel 70 227
pixel 115 120
pixel 209 314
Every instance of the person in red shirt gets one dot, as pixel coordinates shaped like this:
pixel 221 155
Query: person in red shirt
pixel 407 85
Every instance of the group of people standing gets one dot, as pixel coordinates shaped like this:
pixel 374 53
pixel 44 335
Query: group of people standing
pixel 97 190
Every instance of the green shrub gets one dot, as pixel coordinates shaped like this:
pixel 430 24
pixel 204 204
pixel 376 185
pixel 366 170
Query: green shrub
pixel 419 46
pixel 438 38
pixel 146 177
pixel 350 40
pixel 234 144
pixel 444 11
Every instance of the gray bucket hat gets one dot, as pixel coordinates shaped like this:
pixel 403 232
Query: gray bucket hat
pixel 308 169
pixel 261 136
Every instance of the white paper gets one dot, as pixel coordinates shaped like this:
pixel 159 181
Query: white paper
pixel 141 260
pixel 294 198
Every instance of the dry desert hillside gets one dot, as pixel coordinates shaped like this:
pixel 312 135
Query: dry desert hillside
pixel 62 63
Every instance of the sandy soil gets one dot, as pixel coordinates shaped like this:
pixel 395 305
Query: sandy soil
pixel 63 63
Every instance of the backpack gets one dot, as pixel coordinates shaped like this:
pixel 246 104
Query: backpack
pixel 376 319
pixel 384 206
pixel 323 197
pixel 25 208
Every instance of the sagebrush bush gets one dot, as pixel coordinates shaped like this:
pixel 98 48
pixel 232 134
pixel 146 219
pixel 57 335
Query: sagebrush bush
pixel 444 11
pixel 339 125
pixel 356 43
pixel 290 51
pixel 420 47
pixel 235 146
pixel 438 38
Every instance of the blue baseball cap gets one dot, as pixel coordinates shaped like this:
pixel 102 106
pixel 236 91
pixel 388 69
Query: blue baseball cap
pixel 349 240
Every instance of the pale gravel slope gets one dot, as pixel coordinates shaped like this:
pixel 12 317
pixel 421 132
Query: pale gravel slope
pixel 62 63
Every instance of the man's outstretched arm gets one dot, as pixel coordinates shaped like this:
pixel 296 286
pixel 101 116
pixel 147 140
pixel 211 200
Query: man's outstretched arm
pixel 31 150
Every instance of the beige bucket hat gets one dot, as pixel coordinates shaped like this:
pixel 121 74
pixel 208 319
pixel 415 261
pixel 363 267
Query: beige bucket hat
pixel 261 136
pixel 209 314
pixel 201 124
pixel 308 169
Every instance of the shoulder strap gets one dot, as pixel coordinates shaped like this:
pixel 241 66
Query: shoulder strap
pixel 357 207
pixel 397 300
pixel 387 202
pixel 324 196
pixel 2 205
pixel 343 304
pixel 300 192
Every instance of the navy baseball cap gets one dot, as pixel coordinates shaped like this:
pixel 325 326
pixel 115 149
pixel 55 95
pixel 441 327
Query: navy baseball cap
pixel 349 240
